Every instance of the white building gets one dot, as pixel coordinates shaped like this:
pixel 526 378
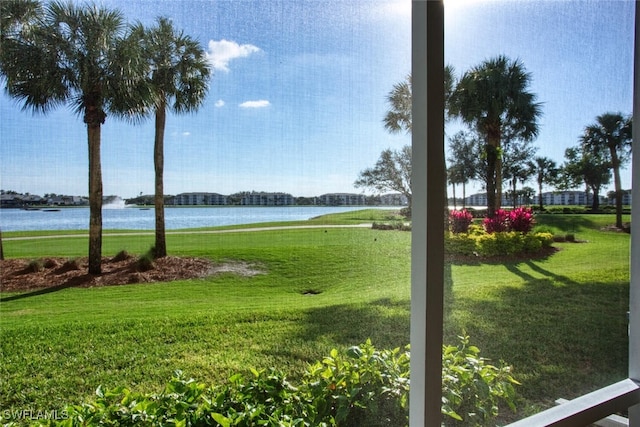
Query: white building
pixel 194 199
pixel 394 199
pixel 343 199
pixel 267 199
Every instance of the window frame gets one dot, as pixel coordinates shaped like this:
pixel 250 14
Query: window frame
pixel 427 252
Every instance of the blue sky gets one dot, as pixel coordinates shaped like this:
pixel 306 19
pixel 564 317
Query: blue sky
pixel 299 92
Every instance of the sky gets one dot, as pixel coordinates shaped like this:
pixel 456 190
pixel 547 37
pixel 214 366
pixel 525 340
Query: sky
pixel 299 88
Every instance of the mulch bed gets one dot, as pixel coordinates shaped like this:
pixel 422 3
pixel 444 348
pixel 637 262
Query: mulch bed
pixel 20 275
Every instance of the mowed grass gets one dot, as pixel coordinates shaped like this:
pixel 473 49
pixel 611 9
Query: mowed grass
pixel 560 321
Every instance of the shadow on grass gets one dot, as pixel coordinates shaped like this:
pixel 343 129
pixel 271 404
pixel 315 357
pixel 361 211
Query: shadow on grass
pixel 76 281
pixel 569 223
pixel 563 338
pixel 385 322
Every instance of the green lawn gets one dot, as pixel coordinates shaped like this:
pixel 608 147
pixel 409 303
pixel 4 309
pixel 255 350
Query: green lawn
pixel 560 321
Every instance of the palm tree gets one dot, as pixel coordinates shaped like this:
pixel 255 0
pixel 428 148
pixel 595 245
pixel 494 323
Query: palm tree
pixel 515 164
pixel 17 18
pixel 612 132
pixel 75 55
pixel 493 98
pixel 585 166
pixel 398 118
pixel 546 172
pixel 463 162
pixel 178 77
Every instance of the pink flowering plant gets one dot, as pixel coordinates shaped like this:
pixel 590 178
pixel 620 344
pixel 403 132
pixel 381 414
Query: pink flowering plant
pixel 521 220
pixel 498 223
pixel 459 221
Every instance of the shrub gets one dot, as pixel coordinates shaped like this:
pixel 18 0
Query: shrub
pixel 472 389
pixel 461 244
pixel 520 219
pixel 35 266
pixel 123 255
pixel 459 221
pixel 501 243
pixel 71 264
pixel 395 225
pixel 498 223
pixel 145 262
pixel 496 244
pixel 363 387
pixel 360 387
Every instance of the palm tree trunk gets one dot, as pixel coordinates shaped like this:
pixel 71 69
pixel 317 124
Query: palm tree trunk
pixel 492 155
pixel 454 195
pixel 158 161
pixel 464 196
pixel 618 185
pixel 95 199
pixel 498 179
pixel 540 196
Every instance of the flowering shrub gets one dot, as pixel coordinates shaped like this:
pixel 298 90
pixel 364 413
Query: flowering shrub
pixel 521 219
pixel 500 222
pixel 459 221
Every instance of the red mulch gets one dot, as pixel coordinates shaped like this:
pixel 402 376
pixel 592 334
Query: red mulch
pixel 20 275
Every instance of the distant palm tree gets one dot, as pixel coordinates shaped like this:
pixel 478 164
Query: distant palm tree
pixel 74 55
pixel 178 77
pixel 546 172
pixel 612 132
pixel 493 97
pixel 462 161
pixel 585 166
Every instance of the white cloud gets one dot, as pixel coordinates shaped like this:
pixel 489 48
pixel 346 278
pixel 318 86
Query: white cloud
pixel 186 133
pixel 255 104
pixel 219 103
pixel 220 53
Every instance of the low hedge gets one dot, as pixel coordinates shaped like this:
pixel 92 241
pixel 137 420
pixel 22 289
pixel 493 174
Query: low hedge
pixel 362 386
pixel 476 242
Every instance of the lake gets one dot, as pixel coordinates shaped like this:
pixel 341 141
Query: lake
pixel 133 218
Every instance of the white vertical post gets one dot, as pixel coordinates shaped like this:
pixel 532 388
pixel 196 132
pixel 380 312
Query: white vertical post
pixel 634 297
pixel 428 205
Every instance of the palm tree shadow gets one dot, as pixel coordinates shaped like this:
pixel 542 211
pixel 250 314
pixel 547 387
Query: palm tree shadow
pixel 73 282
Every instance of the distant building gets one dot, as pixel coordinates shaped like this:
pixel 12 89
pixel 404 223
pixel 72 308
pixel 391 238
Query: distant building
pixel 198 199
pixel 626 198
pixel 550 198
pixel 394 199
pixel 267 199
pixel 343 199
pixel 67 201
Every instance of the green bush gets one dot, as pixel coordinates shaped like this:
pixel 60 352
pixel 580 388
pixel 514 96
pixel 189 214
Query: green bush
pixel 360 387
pixel 473 389
pixel 364 387
pixel 461 244
pixel 503 243
pixel 35 266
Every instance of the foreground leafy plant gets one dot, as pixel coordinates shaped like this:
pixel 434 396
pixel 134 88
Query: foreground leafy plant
pixel 360 387
pixel 472 389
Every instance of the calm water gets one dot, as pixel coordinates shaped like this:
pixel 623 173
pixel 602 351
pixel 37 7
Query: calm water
pixel 175 218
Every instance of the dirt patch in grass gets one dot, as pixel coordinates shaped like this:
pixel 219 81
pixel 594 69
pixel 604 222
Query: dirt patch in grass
pixel 18 275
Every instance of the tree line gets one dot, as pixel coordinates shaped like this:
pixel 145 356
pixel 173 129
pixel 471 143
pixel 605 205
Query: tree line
pixel 89 58
pixel 501 118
